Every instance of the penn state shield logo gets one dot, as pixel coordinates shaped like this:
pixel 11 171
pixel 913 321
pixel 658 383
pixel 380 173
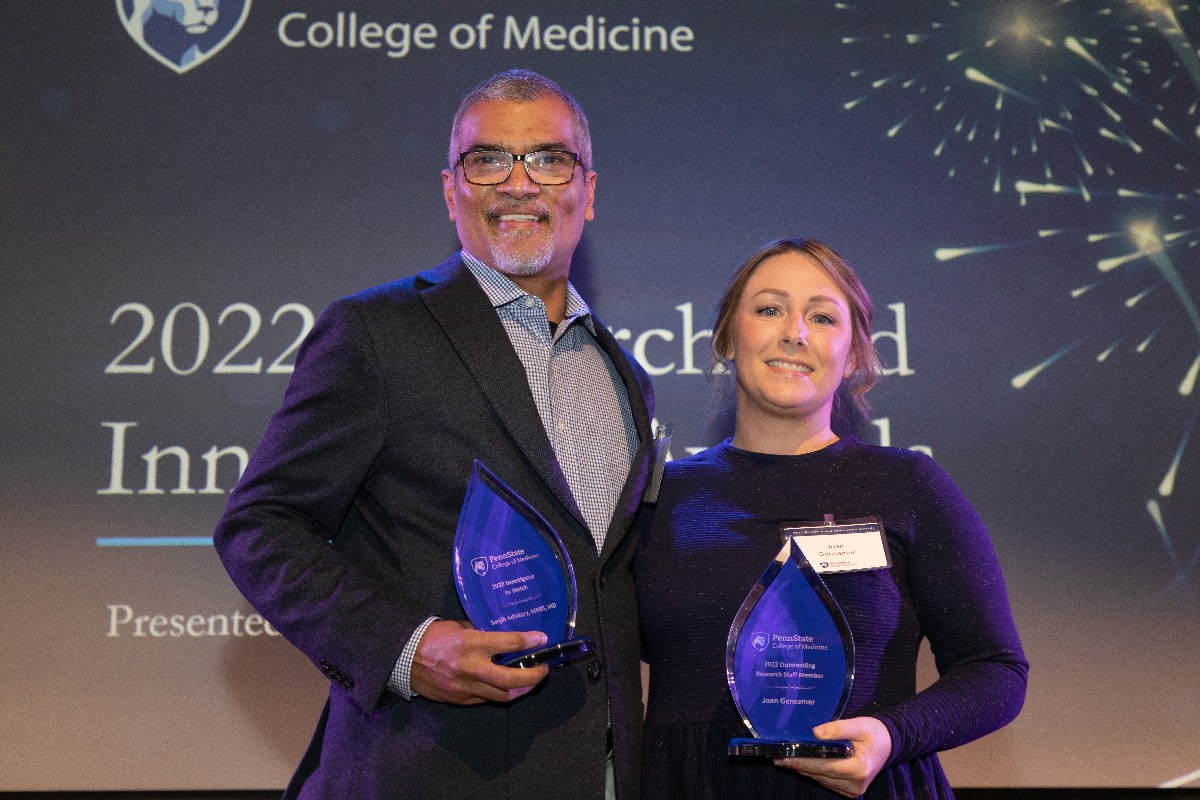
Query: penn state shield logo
pixel 183 34
pixel 480 565
pixel 760 640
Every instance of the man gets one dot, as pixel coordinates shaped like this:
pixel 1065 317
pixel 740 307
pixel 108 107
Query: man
pixel 341 530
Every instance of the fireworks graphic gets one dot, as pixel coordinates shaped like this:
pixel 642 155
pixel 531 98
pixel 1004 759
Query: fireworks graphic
pixel 1053 92
pixel 1077 111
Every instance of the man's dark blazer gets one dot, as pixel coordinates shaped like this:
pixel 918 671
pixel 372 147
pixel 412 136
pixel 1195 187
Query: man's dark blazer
pixel 341 531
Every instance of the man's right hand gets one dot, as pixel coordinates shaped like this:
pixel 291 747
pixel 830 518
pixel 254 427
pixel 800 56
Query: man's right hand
pixel 453 664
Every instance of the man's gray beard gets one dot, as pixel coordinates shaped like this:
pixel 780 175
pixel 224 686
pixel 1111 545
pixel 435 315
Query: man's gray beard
pixel 522 266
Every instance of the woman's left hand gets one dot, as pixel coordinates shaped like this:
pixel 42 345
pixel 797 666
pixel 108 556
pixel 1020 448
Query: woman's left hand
pixel 847 776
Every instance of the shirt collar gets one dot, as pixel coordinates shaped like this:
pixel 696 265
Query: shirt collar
pixel 501 291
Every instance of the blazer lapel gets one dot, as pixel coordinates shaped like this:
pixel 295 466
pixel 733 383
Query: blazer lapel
pixel 461 308
pixel 635 484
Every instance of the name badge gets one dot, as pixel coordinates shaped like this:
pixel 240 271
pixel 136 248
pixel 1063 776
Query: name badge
pixel 854 545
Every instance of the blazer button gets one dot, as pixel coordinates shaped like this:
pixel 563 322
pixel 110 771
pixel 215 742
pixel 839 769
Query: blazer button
pixel 595 670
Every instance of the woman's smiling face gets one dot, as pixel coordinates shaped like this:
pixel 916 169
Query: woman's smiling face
pixel 790 342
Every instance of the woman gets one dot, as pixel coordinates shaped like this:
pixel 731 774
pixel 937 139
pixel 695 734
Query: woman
pixel 794 329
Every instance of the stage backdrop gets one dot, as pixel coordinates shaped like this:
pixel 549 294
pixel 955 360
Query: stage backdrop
pixel 186 183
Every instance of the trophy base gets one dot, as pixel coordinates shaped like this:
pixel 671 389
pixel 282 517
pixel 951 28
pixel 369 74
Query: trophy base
pixel 784 748
pixel 552 655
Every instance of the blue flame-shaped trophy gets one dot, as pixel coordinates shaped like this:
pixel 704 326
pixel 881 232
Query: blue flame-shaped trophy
pixel 789 661
pixel 512 573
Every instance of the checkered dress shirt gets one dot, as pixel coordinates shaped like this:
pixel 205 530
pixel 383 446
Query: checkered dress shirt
pixel 577 390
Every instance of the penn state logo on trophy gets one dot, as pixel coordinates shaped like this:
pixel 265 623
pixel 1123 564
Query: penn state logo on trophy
pixel 760 640
pixel 480 565
pixel 183 34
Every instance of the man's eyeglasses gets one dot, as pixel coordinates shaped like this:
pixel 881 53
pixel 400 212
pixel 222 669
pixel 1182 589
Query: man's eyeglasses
pixel 544 167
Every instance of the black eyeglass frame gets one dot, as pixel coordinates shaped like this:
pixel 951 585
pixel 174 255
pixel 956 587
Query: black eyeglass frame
pixel 514 158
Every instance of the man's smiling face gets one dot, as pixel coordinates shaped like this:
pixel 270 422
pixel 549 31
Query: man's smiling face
pixel 519 227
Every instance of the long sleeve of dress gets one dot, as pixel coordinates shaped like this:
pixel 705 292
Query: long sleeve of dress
pixel 962 606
